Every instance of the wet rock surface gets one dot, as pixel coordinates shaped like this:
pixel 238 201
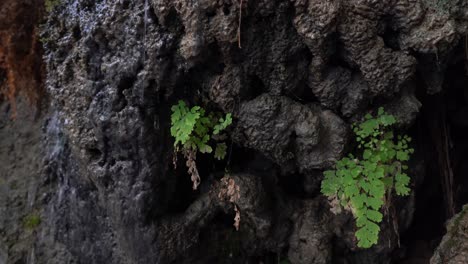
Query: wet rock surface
pixel 294 74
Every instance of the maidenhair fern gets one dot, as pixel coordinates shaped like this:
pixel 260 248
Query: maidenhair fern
pixel 360 184
pixel 192 129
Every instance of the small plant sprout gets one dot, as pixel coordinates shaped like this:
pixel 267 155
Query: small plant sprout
pixel 31 221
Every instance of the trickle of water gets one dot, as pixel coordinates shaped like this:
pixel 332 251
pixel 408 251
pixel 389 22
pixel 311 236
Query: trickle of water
pixel 145 23
pixel 143 49
pixel 32 190
pixel 54 131
pixel 55 150
pixel 32 256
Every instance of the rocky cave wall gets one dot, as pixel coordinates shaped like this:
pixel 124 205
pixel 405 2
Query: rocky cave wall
pixel 294 74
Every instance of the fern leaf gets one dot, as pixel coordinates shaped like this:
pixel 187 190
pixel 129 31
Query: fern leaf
pixel 220 151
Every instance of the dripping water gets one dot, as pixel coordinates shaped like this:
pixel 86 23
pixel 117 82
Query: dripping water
pixel 54 131
pixel 56 146
pixel 32 256
pixel 141 75
pixel 145 25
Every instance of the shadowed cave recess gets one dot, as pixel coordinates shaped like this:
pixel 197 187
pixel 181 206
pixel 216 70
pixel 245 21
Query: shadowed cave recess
pixel 88 168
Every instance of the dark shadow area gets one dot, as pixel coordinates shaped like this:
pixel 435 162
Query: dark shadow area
pixel 441 142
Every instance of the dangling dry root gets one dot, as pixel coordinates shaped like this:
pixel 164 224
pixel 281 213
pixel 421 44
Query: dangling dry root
pixel 237 218
pixel 231 191
pixel 191 156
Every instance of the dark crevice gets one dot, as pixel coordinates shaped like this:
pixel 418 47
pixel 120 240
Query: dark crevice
pixel 303 94
pixel 256 88
pixel 76 32
pixel 441 143
pixel 226 10
pixel 94 153
pixel 173 22
pixel 337 60
pixel 3 76
pixel 121 101
pixel 180 187
pixel 389 35
pixel 210 13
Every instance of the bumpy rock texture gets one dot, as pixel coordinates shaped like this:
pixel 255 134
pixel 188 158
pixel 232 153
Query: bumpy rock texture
pixel 294 74
pixel 454 246
pixel 289 132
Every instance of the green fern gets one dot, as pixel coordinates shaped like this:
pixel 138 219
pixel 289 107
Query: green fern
pixel 183 121
pixel 360 185
pixel 192 129
pixel 223 124
pixel 220 151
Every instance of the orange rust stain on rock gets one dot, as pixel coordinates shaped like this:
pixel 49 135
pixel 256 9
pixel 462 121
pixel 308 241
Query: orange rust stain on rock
pixel 21 67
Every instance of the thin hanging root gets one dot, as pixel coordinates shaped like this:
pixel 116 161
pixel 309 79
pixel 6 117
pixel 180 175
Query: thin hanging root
pixel 466 47
pixel 395 226
pixel 240 23
pixel 448 172
pixel 174 159
pixel 466 54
